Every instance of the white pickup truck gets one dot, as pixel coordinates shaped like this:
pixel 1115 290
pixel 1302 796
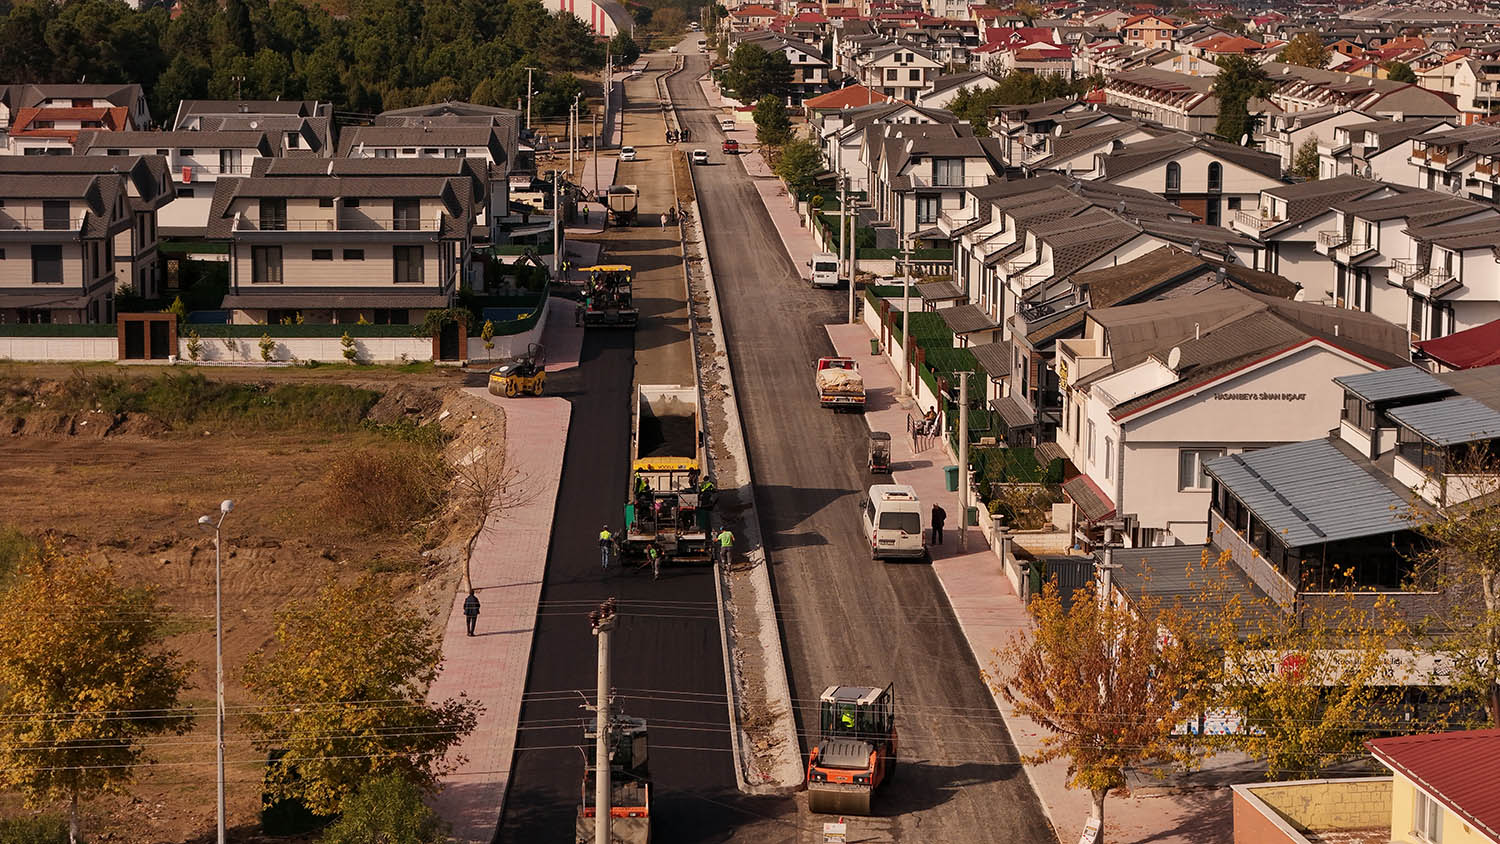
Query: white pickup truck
pixel 892 517
pixel 839 384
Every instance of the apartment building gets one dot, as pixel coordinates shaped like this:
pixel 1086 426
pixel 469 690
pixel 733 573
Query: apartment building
pixel 1287 223
pixel 1379 149
pixel 810 71
pixel 1150 30
pixel 1152 392
pixel 1174 100
pixel 1445 159
pixel 899 71
pixel 74 230
pixel 917 171
pixel 1297 88
pixel 1283 135
pixel 1211 178
pixel 385 240
pixel 46 119
pixel 844 133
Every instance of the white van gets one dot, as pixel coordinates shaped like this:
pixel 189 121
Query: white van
pixel 726 124
pixel 892 517
pixel 702 45
pixel 825 269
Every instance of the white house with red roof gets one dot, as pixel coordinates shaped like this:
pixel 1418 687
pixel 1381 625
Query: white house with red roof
pixel 1150 30
pixel 1444 786
pixel 752 17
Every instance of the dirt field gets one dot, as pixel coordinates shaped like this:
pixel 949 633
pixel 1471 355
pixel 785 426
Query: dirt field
pixel 134 496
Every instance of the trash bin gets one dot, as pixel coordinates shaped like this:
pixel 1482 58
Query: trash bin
pixel 971 517
pixel 874 345
pixel 951 472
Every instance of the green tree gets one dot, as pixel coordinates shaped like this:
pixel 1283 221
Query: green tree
pixel 772 125
pixel 1106 682
pixel 1400 72
pixel 624 48
pixel 800 162
pixel 1238 81
pixel 1305 162
pixel 335 655
pixel 386 810
pixel 1306 49
pixel 753 73
pixel 87 677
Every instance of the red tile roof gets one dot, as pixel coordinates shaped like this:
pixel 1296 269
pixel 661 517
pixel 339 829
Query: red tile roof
pixel 1458 769
pixel 1477 346
pixel 113 118
pixel 754 12
pixel 807 17
pixel 850 97
pixel 1231 44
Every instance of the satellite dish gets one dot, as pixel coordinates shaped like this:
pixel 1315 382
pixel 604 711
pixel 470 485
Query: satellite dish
pixel 1369 172
pixel 255 124
pixel 1245 139
pixel 1174 358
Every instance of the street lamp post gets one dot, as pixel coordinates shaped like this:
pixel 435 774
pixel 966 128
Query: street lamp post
pixel 208 523
pixel 529 92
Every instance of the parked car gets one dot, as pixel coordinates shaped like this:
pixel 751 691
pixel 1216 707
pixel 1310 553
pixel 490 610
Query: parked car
pixel 700 156
pixel 731 147
pixel 726 124
pixel 672 49
pixel 627 153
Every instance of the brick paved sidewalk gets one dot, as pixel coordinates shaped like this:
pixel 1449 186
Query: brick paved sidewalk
pixel 989 612
pixel 507 570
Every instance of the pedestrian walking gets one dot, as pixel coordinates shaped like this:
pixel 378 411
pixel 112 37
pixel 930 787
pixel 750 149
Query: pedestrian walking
pixel 939 516
pixel 726 544
pixel 471 611
pixel 653 555
pixel 606 542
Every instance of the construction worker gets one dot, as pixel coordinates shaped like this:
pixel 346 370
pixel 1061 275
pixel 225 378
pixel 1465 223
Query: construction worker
pixel 706 493
pixel 606 542
pixel 653 555
pixel 725 541
pixel 846 717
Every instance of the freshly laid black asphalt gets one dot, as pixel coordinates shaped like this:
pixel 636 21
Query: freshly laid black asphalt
pixel 667 653
pixel 846 619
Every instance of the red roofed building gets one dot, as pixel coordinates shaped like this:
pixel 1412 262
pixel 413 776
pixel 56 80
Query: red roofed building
pixel 1445 786
pixel 66 123
pixel 1150 30
pixel 1229 45
pixel 853 96
pixel 1468 349
pixel 40 119
pixel 752 17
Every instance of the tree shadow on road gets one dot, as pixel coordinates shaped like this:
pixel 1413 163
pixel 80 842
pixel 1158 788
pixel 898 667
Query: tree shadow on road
pixel 1207 818
pixel 921 785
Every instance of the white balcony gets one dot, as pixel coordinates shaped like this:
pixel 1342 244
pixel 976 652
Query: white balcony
pixel 1406 268
pixel 345 224
pixel 41 223
pixel 925 180
pixel 1252 222
pixel 1424 284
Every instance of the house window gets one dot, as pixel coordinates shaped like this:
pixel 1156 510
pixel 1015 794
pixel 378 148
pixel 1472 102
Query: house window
pixel 1215 177
pixel 273 215
pixel 1174 177
pixel 1234 203
pixel 1417 307
pixel 325 202
pixel 1109 455
pixel 354 254
pixel 322 254
pixel 46 264
pixel 408 264
pixel 1427 818
pixel 408 215
pixel 1089 449
pixel 927 209
pixel 948 172
pixel 55 215
pixel 187 152
pixel 1211 213
pixel 184 193
pixel 392 316
pixel 914 75
pixel 429 151
pixel 163 152
pixel 265 265
pixel 117 152
pixel 351 202
pixel 386 152
pixel 1190 462
pixel 293 140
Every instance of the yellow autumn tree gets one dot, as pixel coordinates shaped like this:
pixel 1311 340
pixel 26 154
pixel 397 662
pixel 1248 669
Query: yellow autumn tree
pixel 1107 682
pixel 86 678
pixel 345 697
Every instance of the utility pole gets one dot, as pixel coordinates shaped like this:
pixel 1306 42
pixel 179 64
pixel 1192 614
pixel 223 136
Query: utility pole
pixel 603 621
pixel 208 523
pixel 528 97
pixel 963 461
pixel 596 148
pixel 905 316
pixel 844 216
pixel 557 272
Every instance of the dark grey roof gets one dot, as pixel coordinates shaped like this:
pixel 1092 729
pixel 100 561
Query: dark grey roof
pixel 1176 576
pixel 938 291
pixel 1462 419
pixel 1386 384
pixel 1012 412
pixel 1091 501
pixel 994 357
pixel 1311 492
pixel 966 319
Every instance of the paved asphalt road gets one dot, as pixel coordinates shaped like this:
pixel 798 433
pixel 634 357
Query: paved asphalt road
pixel 668 661
pixel 844 618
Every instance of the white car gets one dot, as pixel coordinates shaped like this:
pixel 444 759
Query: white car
pixel 726 124
pixel 672 49
pixel 627 153
pixel 700 156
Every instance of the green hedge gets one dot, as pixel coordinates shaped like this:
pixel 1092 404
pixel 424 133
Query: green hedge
pixel 106 329
pixel 916 254
pixel 304 330
pixel 1006 465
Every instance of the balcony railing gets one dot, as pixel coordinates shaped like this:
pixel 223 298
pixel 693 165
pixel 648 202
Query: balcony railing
pixel 1424 284
pixel 347 224
pixel 211 169
pixel 51 224
pixel 922 180
pixel 1012 268
pixel 1255 222
pixel 1330 239
pixel 1483 168
pixel 1406 268
pixel 1354 247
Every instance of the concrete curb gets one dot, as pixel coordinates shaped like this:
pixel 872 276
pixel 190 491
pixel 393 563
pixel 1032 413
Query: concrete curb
pixel 786 775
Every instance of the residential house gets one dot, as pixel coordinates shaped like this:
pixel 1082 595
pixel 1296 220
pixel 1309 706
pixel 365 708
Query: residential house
pixel 1440 788
pixel 1467 349
pixel 1150 30
pixel 1285 134
pixel 754 16
pixel 900 71
pixel 1445 159
pixel 1077 148
pixel 1174 100
pixel 347 239
pixel 1378 149
pixel 1287 223
pixel 196 159
pixel 1298 88
pixel 193 115
pixel 844 133
pixel 1152 392
pixel 1211 178
pixel 74 230
pixel 810 71
pixel 1022 129
pixel 1378 255
pixel 46 119
pixel 1341 512
pixel 918 171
